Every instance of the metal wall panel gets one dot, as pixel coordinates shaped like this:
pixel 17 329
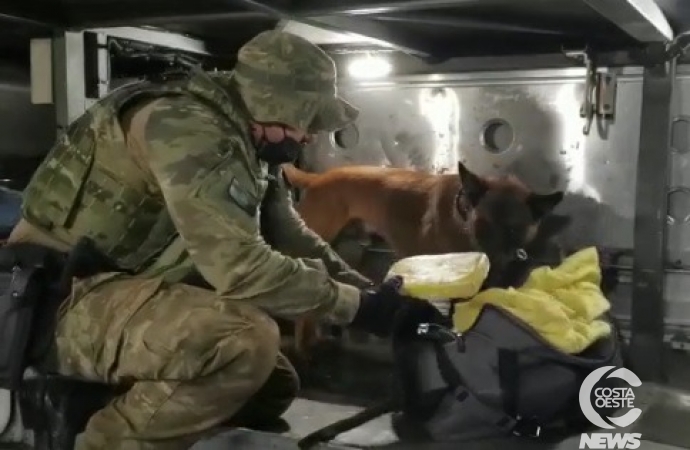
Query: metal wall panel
pixel 678 278
pixel 431 122
pixel 26 130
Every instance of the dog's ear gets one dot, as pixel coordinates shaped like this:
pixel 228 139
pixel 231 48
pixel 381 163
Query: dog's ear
pixel 472 186
pixel 552 225
pixel 541 205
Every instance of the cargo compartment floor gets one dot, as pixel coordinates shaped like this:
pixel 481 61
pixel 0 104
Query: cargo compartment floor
pixel 336 386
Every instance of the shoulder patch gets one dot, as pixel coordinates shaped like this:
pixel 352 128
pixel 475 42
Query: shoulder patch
pixel 244 199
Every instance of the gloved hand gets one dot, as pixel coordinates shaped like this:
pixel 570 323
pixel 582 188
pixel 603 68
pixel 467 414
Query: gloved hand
pixel 384 309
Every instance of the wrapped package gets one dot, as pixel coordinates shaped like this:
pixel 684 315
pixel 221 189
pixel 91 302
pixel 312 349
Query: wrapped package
pixel 438 278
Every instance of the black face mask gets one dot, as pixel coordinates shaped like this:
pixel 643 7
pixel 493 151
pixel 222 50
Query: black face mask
pixel 285 151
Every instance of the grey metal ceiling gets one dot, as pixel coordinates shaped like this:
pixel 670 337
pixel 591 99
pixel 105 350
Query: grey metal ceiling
pixel 437 28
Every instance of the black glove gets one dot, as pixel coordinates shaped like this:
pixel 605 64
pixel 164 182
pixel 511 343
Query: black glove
pixel 383 310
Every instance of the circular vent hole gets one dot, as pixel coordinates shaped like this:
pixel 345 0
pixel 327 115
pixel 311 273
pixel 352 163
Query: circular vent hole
pixel 497 136
pixel 347 138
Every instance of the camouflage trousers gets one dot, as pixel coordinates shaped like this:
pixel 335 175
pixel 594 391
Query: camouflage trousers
pixel 190 360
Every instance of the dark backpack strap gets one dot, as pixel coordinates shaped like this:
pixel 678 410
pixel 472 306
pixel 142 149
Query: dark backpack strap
pixel 498 416
pixel 330 432
pixel 509 383
pixel 509 380
pixel 506 417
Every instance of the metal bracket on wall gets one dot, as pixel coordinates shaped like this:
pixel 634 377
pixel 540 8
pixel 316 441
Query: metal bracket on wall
pixel 656 53
pixel 81 74
pixel 68 73
pixel 81 61
pixel 599 95
pixel 679 46
pixel 607 86
pixel 155 38
pixel 96 65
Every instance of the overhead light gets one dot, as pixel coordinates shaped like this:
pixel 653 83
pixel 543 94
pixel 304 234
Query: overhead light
pixel 369 66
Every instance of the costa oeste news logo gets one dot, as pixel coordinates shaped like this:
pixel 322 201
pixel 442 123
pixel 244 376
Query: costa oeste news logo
pixel 621 398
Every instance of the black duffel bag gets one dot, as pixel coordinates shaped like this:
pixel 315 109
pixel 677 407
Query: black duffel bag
pixel 34 281
pixel 497 379
pixel 29 280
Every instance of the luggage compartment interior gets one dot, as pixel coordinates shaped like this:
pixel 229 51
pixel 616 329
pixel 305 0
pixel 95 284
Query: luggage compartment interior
pixel 497 84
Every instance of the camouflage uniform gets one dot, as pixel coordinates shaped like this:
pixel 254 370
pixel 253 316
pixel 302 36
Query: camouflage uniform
pixel 164 178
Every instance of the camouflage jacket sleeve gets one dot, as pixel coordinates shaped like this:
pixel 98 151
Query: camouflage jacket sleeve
pixel 287 232
pixel 200 167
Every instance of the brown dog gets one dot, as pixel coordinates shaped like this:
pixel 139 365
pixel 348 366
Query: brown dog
pixel 419 213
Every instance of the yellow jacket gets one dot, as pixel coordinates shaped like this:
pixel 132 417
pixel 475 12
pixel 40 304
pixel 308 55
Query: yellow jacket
pixel 563 305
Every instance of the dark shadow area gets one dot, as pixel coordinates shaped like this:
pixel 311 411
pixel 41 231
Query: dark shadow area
pixel 10 213
pixel 16 171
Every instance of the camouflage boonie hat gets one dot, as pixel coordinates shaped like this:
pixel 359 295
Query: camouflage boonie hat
pixel 286 79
